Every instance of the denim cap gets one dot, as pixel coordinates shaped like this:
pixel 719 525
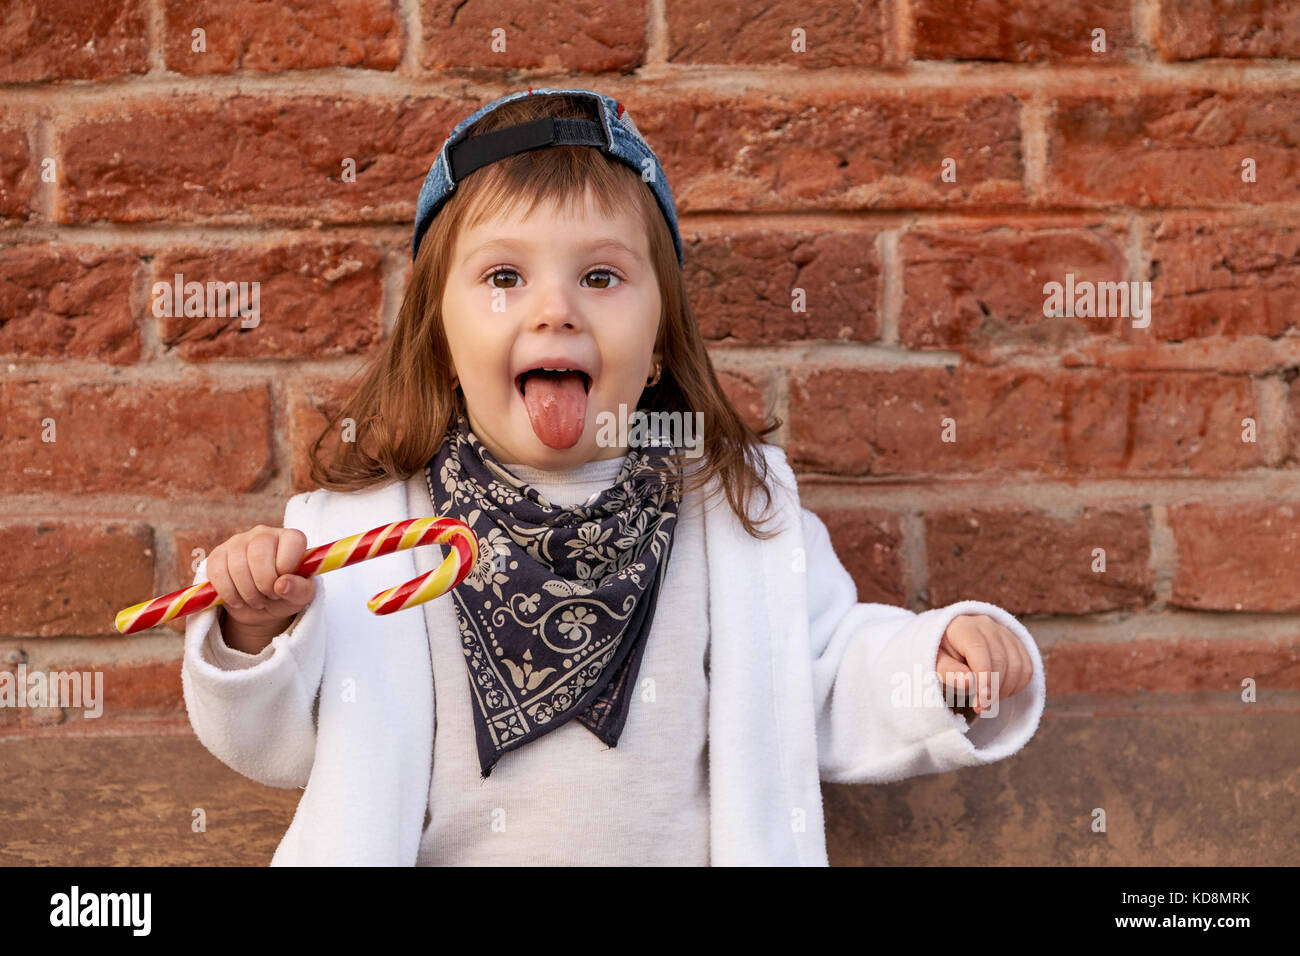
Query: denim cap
pixel 616 135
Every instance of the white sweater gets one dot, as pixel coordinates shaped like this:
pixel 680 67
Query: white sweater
pixel 562 799
pixel 804 684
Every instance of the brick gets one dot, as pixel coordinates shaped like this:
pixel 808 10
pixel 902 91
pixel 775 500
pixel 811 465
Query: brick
pixel 1183 148
pixel 130 690
pixel 16 719
pixel 747 398
pixel 1291 376
pixel 1029 562
pixel 246 159
pixel 25 714
pixel 1236 557
pixel 1014 420
pixel 71 578
pixel 869 544
pixel 732 33
pixel 310 410
pixel 742 286
pixel 1229 28
pixel 315 300
pixel 247 36
pixel 599 37
pixel 1212 279
pixel 847 421
pixel 144 689
pixel 1182 666
pixel 72 40
pixel 829 151
pixel 167 440
pixel 17 174
pixel 979 289
pixel 1055 31
pixel 60 302
pixel 1161 424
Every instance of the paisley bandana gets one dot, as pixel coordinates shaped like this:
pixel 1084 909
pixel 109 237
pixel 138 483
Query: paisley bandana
pixel 553 619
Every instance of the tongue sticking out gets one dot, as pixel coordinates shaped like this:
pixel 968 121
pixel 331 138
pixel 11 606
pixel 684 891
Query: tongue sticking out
pixel 557 406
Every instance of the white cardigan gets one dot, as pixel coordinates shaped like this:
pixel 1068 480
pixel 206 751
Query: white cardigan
pixel 805 685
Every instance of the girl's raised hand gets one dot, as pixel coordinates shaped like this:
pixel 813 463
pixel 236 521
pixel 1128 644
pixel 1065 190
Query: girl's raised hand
pixel 983 658
pixel 253 575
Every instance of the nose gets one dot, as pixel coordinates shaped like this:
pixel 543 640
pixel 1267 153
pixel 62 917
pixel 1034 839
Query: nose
pixel 555 307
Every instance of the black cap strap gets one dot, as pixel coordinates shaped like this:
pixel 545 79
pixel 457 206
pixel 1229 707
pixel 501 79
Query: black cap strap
pixel 477 151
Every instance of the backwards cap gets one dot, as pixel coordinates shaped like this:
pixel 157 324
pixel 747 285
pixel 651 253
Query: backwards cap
pixel 615 135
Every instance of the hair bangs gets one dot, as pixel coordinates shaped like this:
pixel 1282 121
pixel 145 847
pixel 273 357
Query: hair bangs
pixel 562 178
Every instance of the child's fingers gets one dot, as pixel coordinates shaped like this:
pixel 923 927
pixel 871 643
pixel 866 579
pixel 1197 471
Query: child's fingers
pixel 970 642
pixel 242 576
pixel 1006 663
pixel 253 575
pixel 261 565
pixel 1026 665
pixel 290 587
pixel 1009 677
pixel 219 576
pixel 949 669
pixel 295 590
pixel 1018 667
pixel 290 550
pixel 999 674
pixel 954 673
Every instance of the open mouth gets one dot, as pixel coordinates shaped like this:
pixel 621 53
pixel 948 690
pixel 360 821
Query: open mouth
pixel 521 380
pixel 556 399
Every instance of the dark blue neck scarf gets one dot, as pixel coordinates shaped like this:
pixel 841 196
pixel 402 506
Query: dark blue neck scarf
pixel 554 617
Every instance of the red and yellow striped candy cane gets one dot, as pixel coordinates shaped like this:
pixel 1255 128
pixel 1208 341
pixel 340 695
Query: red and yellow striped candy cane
pixel 398 536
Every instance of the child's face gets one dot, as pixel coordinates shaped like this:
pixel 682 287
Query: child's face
pixel 565 297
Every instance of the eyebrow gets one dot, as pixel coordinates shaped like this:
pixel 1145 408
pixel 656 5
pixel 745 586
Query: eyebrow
pixel 592 246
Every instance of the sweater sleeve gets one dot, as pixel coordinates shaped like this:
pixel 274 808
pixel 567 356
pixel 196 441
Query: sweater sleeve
pixel 881 713
pixel 256 713
pixel 220 654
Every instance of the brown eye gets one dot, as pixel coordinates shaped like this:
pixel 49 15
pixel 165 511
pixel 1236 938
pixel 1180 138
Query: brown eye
pixel 492 277
pixel 603 272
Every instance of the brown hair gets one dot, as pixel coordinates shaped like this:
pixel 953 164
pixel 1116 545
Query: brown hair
pixel 405 401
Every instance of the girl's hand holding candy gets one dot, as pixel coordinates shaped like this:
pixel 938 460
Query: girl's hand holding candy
pixel 253 575
pixel 256 572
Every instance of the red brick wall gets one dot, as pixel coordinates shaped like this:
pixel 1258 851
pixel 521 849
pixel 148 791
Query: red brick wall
pixel 817 170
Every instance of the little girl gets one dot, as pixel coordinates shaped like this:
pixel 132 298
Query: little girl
pixel 642 667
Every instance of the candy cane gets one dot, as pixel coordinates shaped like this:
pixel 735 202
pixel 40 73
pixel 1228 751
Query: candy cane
pixel 399 536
